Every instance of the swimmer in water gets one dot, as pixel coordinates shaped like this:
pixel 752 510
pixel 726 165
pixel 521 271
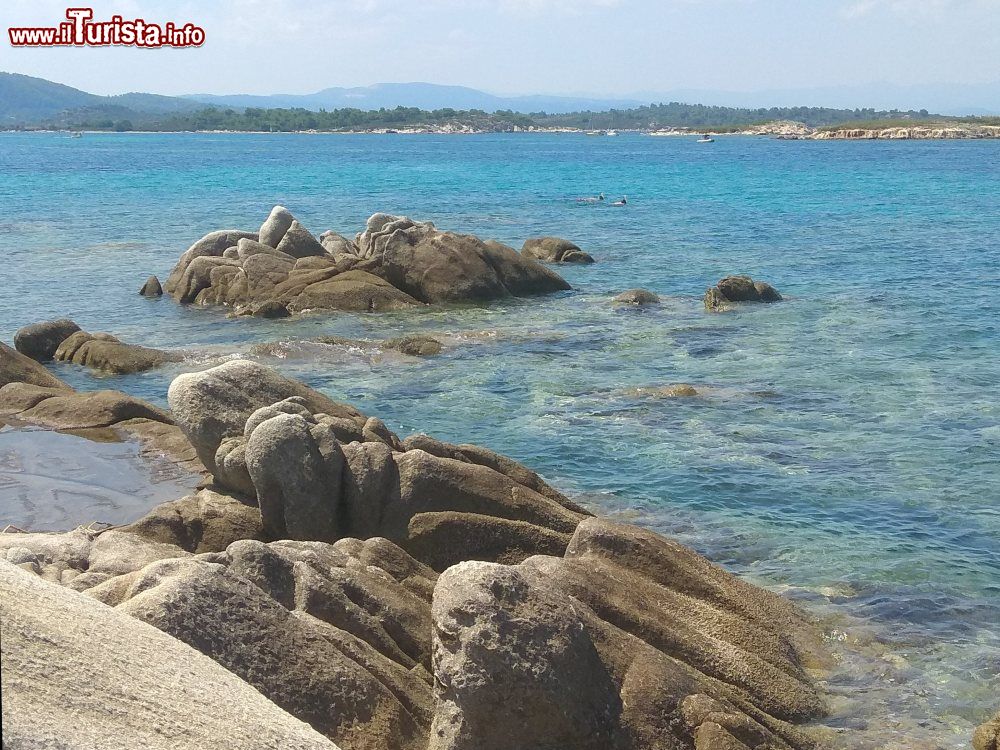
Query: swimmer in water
pixel 622 202
pixel 591 200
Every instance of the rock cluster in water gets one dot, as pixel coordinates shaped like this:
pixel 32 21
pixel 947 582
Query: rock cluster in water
pixel 378 592
pixel 394 263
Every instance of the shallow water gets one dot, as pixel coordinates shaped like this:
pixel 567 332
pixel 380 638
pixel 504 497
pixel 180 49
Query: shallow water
pixel 51 481
pixel 844 446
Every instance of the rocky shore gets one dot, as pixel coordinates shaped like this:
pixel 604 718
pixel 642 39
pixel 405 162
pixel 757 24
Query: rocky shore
pixel 331 584
pixel 379 592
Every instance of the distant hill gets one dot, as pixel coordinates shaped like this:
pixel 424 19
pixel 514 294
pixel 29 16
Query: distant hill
pixel 34 102
pixel 428 96
pixel 27 100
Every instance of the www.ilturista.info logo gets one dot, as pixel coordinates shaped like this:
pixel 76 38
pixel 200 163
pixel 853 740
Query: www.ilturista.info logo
pixel 80 30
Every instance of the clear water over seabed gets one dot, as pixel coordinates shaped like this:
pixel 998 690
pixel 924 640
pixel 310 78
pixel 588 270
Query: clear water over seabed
pixel 844 445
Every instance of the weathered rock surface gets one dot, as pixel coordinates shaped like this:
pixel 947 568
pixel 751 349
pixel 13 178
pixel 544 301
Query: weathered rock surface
pixel 630 641
pixel 151 288
pixel 320 471
pixel 77 673
pixel 393 264
pixel 17 368
pixel 41 340
pixel 554 250
pixel 215 404
pixel 328 634
pixel 733 290
pixel 987 736
pixel 637 297
pixel 104 352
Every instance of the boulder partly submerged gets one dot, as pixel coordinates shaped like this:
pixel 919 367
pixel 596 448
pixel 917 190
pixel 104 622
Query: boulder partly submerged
pixel 734 290
pixel 106 353
pixel 394 263
pixel 40 341
pixel 64 341
pixel 637 298
pixel 18 368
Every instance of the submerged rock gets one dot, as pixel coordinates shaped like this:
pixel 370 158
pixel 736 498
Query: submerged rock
pixel 637 297
pixel 415 346
pixel 736 289
pixel 554 250
pixel 41 340
pixel 393 264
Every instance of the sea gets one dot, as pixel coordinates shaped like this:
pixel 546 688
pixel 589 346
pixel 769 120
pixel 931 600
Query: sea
pixel 843 447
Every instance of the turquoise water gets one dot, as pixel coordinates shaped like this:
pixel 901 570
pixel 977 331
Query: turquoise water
pixel 844 448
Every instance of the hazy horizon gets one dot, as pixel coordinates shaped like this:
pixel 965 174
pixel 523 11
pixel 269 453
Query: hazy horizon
pixel 935 54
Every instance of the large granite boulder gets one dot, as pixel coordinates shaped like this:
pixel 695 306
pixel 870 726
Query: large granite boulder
pixel 212 245
pixel 215 404
pixel 394 263
pixel 733 290
pixel 104 352
pixel 318 470
pixel 77 673
pixel 554 250
pixel 629 641
pixel 352 290
pixel 434 266
pixel 17 368
pixel 41 340
pixel 327 634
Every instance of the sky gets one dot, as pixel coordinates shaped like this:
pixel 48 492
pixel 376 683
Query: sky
pixel 594 47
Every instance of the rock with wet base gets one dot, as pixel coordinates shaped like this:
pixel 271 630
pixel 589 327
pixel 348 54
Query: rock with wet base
pixel 41 340
pixel 395 263
pixel 151 288
pixel 734 290
pixel 106 353
pixel 610 647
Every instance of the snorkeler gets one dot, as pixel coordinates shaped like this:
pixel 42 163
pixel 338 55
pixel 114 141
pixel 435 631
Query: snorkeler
pixel 622 202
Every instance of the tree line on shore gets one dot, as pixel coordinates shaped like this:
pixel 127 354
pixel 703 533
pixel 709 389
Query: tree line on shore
pixel 650 117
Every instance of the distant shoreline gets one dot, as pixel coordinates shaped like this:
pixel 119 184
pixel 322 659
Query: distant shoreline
pixel 777 130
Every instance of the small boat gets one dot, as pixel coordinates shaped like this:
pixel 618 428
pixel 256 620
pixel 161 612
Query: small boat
pixel 706 139
pixel 76 134
pixel 611 132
